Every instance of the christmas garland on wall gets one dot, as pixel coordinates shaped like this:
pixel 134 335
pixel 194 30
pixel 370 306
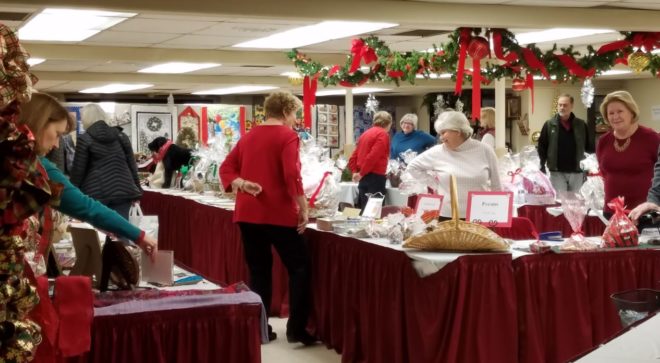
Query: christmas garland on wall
pixel 510 60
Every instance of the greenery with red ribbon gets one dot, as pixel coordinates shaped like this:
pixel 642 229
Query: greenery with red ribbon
pixel 509 60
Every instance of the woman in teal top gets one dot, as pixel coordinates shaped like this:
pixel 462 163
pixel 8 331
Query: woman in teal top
pixel 48 121
pixel 410 138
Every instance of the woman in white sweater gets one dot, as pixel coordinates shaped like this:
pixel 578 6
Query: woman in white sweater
pixel 472 162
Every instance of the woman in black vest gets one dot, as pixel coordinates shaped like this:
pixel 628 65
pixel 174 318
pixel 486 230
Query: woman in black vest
pixel 104 166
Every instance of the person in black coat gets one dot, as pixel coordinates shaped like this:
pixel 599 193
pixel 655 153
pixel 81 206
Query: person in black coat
pixel 104 166
pixel 172 156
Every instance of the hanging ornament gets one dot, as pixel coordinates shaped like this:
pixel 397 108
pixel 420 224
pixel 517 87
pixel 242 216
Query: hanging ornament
pixel 638 61
pixel 458 106
pixel 587 93
pixel 478 47
pixel 372 104
pixel 439 106
pixel 518 84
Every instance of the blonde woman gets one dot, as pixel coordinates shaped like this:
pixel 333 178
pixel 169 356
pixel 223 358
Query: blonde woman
pixel 487 132
pixel 626 155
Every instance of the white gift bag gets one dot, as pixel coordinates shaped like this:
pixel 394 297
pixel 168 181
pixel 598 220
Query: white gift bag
pixel 149 224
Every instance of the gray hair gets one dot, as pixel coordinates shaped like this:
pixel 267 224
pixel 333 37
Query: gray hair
pixel 90 113
pixel 411 118
pixel 453 120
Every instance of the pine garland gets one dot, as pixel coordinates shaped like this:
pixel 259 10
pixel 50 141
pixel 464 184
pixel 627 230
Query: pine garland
pixel 392 66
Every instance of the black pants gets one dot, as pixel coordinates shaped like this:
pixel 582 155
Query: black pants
pixel 257 241
pixel 370 184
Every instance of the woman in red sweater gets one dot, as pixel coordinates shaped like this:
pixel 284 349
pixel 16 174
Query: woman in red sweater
pixel 264 171
pixel 369 159
pixel 626 154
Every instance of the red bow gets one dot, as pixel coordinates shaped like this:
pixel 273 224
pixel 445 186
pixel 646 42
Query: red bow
pixel 574 68
pixel 463 41
pixel 513 174
pixel 312 200
pixel 648 40
pixel 310 85
pixel 361 51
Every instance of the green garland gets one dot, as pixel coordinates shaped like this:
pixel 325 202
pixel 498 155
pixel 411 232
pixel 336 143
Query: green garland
pixel 392 66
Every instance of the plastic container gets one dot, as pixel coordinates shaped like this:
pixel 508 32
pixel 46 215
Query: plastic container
pixel 634 305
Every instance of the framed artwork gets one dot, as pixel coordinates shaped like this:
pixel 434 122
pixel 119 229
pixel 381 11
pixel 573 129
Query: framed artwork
pixel 327 125
pixel 151 125
pixel 190 119
pixel 513 107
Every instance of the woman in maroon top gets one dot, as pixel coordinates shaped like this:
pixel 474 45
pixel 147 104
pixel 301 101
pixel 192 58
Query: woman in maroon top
pixel 264 171
pixel 369 159
pixel 626 154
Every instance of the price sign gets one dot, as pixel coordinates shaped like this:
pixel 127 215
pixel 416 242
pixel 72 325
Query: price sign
pixel 492 209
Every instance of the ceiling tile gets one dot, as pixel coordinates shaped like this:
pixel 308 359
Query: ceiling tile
pixel 161 26
pixel 650 5
pixel 67 65
pixel 109 36
pixel 559 3
pixel 118 67
pixel 200 42
pixel 183 17
pixel 245 29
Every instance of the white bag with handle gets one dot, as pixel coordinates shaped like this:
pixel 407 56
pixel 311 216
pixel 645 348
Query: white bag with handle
pixel 149 224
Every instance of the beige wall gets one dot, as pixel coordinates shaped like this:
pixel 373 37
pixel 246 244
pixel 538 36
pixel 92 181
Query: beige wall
pixel 647 94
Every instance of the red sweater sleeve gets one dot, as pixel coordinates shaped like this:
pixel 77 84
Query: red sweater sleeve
pixel 291 167
pixel 380 147
pixel 230 168
pixel 352 161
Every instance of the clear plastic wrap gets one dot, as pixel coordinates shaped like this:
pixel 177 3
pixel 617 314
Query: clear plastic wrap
pixel 593 189
pixel 621 232
pixel 520 174
pixel 575 210
pixel 320 178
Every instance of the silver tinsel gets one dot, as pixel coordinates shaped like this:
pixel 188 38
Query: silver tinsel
pixel 587 93
pixel 439 106
pixel 372 104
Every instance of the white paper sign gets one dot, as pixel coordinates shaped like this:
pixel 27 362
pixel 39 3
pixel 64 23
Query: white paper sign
pixel 428 202
pixel 655 113
pixel 373 207
pixel 493 209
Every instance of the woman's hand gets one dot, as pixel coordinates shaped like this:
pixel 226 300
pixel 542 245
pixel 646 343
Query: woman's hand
pixel 150 246
pixel 302 220
pixel 642 209
pixel 357 177
pixel 251 188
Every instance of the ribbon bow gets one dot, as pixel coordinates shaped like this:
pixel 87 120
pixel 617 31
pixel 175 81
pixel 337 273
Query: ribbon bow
pixel 618 206
pixel 15 81
pixel 513 174
pixel 361 51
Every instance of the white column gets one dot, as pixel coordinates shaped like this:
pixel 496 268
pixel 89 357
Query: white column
pixel 349 116
pixel 500 116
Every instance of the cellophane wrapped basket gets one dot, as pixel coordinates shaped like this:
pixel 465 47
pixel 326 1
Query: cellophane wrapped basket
pixel 458 235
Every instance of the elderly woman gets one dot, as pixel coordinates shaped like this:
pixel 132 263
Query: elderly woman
pixel 472 162
pixel 626 155
pixel 271 210
pixel 410 138
pixel 369 159
pixel 102 151
pixel 487 132
pixel 48 121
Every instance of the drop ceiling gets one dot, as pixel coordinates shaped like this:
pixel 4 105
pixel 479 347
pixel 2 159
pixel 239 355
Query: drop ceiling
pixel 204 31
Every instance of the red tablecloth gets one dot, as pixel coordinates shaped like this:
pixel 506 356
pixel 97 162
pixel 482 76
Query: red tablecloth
pixel 219 333
pixel 545 222
pixel 370 305
pixel 205 238
pixel 564 305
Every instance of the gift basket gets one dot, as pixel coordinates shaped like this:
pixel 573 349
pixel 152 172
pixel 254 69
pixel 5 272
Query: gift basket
pixel 621 232
pixel 456 234
pixel 520 174
pixel 593 189
pixel 397 227
pixel 396 167
pixel 575 210
pixel 203 174
pixel 320 179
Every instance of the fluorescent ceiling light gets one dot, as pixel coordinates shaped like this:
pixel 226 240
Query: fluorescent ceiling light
pixel 554 34
pixel 614 72
pixel 116 87
pixel 312 34
pixel 69 25
pixel 356 91
pixel 233 90
pixel 34 61
pixel 291 74
pixel 435 75
pixel 177 67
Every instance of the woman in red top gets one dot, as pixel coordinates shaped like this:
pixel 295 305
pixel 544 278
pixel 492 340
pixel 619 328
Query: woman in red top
pixel 369 159
pixel 264 171
pixel 626 155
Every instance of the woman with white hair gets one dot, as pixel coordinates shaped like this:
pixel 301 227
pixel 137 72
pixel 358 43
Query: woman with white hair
pixel 410 138
pixel 472 162
pixel 104 166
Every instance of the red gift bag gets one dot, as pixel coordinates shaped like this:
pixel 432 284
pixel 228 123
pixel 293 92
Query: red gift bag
pixel 621 232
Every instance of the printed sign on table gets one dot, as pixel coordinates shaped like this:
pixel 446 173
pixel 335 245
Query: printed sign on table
pixel 428 202
pixel 492 209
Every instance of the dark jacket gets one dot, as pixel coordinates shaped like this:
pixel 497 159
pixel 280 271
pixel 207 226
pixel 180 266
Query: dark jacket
pixel 549 144
pixel 104 166
pixel 654 192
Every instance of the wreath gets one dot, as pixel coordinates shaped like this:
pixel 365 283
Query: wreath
pixel 154 123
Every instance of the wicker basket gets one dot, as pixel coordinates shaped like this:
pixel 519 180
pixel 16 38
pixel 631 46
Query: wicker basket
pixel 457 235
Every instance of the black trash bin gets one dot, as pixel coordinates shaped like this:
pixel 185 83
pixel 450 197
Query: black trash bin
pixel 634 305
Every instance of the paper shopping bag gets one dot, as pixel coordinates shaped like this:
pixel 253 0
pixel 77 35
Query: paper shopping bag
pixel 149 224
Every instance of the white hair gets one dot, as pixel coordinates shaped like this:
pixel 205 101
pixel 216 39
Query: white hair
pixel 90 113
pixel 453 120
pixel 411 118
